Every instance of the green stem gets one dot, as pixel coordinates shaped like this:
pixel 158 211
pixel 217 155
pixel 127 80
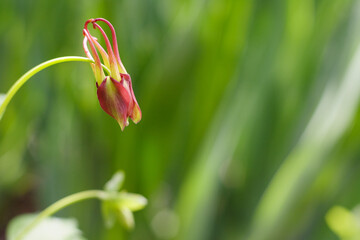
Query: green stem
pixel 62 203
pixel 16 86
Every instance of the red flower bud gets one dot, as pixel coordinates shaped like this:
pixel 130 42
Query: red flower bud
pixel 114 92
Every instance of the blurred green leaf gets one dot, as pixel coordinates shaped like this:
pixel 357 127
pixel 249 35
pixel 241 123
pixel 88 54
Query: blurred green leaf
pixel 2 98
pixel 344 223
pixel 51 228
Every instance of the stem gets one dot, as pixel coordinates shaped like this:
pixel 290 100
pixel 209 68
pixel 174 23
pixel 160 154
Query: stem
pixel 16 86
pixel 62 203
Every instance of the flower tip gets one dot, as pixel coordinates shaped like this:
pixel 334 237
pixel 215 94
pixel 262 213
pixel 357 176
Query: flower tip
pixel 91 20
pixel 136 114
pixel 122 125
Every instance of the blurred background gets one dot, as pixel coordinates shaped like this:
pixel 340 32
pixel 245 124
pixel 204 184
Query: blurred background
pixel 251 121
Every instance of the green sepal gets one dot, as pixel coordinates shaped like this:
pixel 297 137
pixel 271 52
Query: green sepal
pixel 115 183
pixel 132 201
pixel 126 218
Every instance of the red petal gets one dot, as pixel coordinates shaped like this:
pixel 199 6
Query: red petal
pixel 134 112
pixel 115 100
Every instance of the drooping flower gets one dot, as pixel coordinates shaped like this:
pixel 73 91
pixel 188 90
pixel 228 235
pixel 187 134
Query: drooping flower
pixel 115 93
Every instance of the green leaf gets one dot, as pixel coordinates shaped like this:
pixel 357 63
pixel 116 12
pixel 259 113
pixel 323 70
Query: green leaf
pixel 50 228
pixel 2 99
pixel 132 201
pixel 115 183
pixel 343 222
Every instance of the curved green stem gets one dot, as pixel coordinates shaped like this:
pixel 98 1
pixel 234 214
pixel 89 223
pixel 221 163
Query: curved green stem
pixel 62 203
pixel 16 86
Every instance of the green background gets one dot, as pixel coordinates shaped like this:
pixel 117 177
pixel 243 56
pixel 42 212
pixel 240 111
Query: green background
pixel 250 125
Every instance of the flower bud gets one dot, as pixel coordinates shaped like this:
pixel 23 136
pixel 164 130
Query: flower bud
pixel 115 93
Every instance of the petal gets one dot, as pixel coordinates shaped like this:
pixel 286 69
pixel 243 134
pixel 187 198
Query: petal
pixel 134 112
pixel 115 100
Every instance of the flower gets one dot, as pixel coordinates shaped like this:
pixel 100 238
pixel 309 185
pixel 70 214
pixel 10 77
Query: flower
pixel 119 206
pixel 115 93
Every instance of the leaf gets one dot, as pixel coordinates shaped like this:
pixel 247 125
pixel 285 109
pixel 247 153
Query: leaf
pixel 343 222
pixel 115 183
pixel 50 228
pixel 2 99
